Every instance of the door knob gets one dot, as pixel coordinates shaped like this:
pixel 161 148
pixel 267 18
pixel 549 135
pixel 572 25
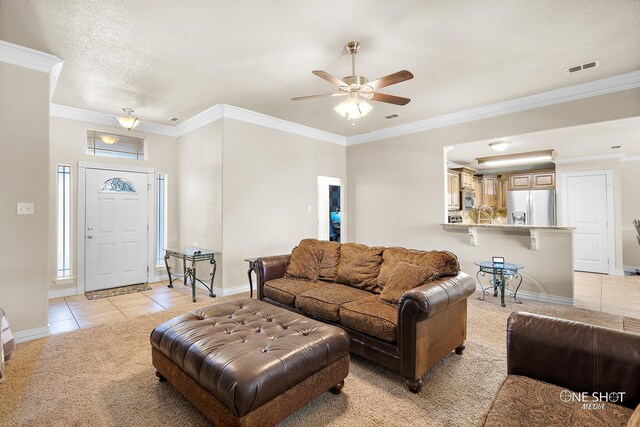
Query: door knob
pixel 89 228
pixel 89 236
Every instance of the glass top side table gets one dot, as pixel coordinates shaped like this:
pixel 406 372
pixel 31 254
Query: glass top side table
pixel 502 274
pixel 193 255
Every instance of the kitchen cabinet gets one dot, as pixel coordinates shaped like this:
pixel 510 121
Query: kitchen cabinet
pixel 477 190
pixel 543 180
pixel 466 177
pixel 489 191
pixel 536 180
pixel 453 190
pixel 520 181
pixel 503 188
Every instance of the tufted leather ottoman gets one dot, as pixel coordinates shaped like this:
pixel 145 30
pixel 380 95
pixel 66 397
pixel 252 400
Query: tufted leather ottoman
pixel 247 362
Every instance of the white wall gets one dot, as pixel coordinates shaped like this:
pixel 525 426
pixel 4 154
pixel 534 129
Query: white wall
pixel 68 146
pixel 270 184
pixel 200 196
pixel 630 210
pixel 24 239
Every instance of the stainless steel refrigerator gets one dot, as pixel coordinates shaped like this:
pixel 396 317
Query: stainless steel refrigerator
pixel 531 207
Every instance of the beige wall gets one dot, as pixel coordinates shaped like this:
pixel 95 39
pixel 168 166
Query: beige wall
pixel 68 146
pixel 270 195
pixel 397 190
pixel 24 239
pixel 630 210
pixel 200 196
pixel 399 201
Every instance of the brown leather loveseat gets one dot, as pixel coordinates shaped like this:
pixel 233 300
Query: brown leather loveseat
pixel 565 373
pixel 404 309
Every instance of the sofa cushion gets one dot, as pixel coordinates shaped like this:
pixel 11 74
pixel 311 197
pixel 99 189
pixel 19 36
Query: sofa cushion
pixel 523 401
pixel 372 317
pixel 634 421
pixel 359 265
pixel 285 290
pixel 325 300
pixel 445 262
pixel 404 277
pixel 330 258
pixel 305 262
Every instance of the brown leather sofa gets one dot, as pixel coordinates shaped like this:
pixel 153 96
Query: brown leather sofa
pixel 427 323
pixel 551 362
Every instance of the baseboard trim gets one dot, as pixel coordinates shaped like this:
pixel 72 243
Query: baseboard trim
pixel 234 290
pixel 535 296
pixel 31 334
pixel 61 293
pixel 631 268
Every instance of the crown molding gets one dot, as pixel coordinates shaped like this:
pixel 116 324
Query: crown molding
pixel 34 60
pixel 210 115
pixel 630 159
pixel 557 96
pixel 260 119
pixel 62 111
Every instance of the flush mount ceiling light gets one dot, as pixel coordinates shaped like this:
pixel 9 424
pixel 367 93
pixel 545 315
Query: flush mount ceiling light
pixel 518 159
pixel 109 139
pixel 499 145
pixel 128 121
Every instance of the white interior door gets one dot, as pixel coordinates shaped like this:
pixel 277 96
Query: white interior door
pixel 587 211
pixel 116 228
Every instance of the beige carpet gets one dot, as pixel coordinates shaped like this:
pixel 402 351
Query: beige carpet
pixel 103 376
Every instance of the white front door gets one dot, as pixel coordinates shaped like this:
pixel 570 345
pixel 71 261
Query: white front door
pixel 115 228
pixel 587 211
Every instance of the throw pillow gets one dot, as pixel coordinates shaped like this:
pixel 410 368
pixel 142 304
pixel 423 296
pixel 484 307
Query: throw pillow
pixel 406 276
pixel 330 257
pixel 304 263
pixel 359 265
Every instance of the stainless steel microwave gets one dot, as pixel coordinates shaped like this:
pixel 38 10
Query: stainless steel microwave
pixel 468 198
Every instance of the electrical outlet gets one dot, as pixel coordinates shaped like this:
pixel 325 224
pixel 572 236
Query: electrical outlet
pixel 24 208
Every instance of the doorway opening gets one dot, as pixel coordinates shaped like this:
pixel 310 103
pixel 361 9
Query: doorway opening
pixel 330 209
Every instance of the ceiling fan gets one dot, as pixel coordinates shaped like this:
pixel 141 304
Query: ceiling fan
pixel 358 89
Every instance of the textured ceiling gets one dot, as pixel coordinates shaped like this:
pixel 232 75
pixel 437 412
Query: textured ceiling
pixel 169 59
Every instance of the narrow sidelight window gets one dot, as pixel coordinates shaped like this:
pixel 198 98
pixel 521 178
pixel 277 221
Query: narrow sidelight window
pixel 64 221
pixel 161 217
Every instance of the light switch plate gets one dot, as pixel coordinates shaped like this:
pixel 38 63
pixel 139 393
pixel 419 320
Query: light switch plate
pixel 24 208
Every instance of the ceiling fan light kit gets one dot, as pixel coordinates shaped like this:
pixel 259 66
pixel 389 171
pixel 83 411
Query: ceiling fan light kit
pixel 359 89
pixel 128 121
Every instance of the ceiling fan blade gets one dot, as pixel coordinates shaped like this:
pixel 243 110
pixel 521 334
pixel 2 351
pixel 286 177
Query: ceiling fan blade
pixel 328 77
pixel 391 99
pixel 323 95
pixel 391 79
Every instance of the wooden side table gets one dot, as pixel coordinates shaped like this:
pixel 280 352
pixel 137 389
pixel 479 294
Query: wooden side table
pixel 253 267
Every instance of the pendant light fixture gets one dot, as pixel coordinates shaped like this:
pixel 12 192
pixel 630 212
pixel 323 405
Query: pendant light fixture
pixel 128 121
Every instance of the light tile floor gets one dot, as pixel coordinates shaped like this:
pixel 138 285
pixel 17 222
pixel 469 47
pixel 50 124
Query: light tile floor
pixel 610 294
pixel 70 313
pixel 599 292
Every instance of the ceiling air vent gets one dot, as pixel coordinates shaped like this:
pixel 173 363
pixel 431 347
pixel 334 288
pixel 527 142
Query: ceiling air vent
pixel 174 119
pixel 615 147
pixel 581 67
pixel 392 116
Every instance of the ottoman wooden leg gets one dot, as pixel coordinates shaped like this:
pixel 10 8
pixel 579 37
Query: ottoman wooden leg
pixel 161 377
pixel 460 348
pixel 337 389
pixel 414 385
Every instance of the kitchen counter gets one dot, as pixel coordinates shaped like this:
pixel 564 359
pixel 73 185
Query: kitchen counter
pixel 510 226
pixel 533 231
